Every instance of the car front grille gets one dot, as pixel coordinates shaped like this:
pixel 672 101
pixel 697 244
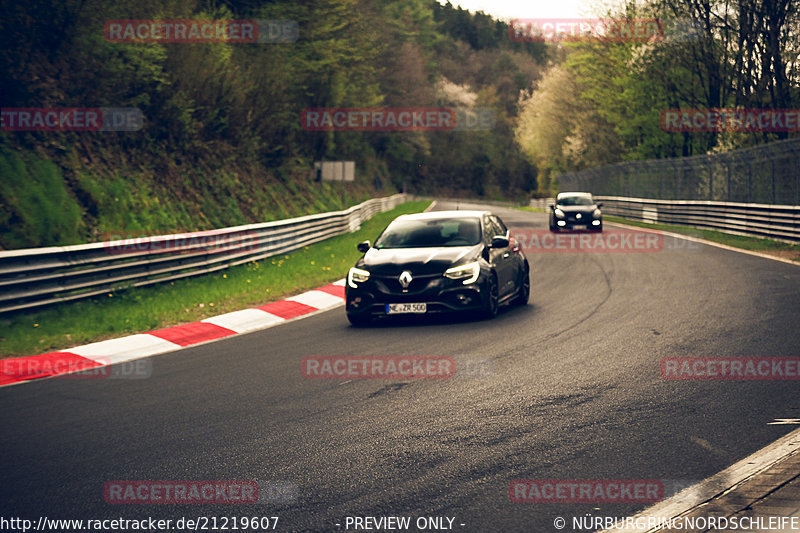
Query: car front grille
pixel 586 218
pixel 391 284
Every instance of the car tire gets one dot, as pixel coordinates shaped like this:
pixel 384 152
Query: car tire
pixel 359 321
pixel 524 292
pixel 492 304
pixel 599 228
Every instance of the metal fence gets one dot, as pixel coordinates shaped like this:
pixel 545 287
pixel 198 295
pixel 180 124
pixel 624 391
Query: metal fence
pixel 764 174
pixel 40 276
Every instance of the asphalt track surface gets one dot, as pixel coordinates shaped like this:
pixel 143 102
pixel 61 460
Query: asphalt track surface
pixel 568 387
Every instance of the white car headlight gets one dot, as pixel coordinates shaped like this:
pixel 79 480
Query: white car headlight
pixel 356 275
pixel 469 272
pixel 596 213
pixel 559 213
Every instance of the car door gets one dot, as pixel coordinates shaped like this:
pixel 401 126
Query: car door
pixel 502 258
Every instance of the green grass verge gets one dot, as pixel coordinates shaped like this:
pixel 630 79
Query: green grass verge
pixel 148 308
pixel 782 249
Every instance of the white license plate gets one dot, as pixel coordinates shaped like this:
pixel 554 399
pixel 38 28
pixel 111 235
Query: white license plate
pixel 579 226
pixel 396 309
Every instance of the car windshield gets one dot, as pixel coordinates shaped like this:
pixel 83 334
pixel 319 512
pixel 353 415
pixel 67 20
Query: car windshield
pixel 575 200
pixel 430 233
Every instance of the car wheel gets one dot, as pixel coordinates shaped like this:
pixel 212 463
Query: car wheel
pixel 524 292
pixel 491 305
pixel 359 321
pixel 599 228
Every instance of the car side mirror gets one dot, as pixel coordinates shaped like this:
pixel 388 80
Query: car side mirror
pixel 553 207
pixel 499 242
pixel 599 204
pixel 363 247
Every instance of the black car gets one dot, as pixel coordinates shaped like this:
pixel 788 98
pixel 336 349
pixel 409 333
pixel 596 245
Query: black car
pixel 437 262
pixel 576 210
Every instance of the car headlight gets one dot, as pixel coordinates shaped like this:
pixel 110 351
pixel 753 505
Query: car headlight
pixel 559 213
pixel 596 213
pixel 469 272
pixel 356 275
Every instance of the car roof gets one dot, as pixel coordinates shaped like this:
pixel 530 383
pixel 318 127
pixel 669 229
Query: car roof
pixel 564 194
pixel 433 215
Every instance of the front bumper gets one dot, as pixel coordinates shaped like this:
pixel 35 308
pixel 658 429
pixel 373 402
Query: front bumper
pixel 588 224
pixel 442 295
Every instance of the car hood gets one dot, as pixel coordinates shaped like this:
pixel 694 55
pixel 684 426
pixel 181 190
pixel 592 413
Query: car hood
pixel 577 208
pixel 393 261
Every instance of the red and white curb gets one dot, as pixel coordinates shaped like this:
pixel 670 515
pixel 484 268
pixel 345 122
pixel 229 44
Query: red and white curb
pixel 109 352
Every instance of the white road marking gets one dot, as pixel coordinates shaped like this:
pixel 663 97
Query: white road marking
pixel 318 299
pixel 124 348
pixel 244 320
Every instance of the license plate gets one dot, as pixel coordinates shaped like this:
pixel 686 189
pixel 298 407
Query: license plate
pixel 396 309
pixel 579 226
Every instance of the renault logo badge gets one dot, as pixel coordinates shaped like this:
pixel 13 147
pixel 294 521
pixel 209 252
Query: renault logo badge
pixel 405 279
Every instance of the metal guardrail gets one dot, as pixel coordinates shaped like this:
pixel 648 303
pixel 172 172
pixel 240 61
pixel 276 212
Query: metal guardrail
pixel 41 276
pixel 541 203
pixel 780 222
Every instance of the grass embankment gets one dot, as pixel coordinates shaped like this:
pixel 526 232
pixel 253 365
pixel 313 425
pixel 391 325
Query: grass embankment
pixel 62 199
pixel 767 246
pixel 145 309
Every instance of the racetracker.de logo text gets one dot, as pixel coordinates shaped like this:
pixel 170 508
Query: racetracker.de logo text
pixel 586 490
pixel 731 368
pixel 730 119
pixel 180 492
pixel 71 119
pixel 200 31
pixel 583 29
pixel 609 241
pixel 399 367
pixel 397 119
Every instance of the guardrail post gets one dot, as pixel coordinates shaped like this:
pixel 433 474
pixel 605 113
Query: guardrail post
pixel 773 180
pixel 728 168
pixel 710 182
